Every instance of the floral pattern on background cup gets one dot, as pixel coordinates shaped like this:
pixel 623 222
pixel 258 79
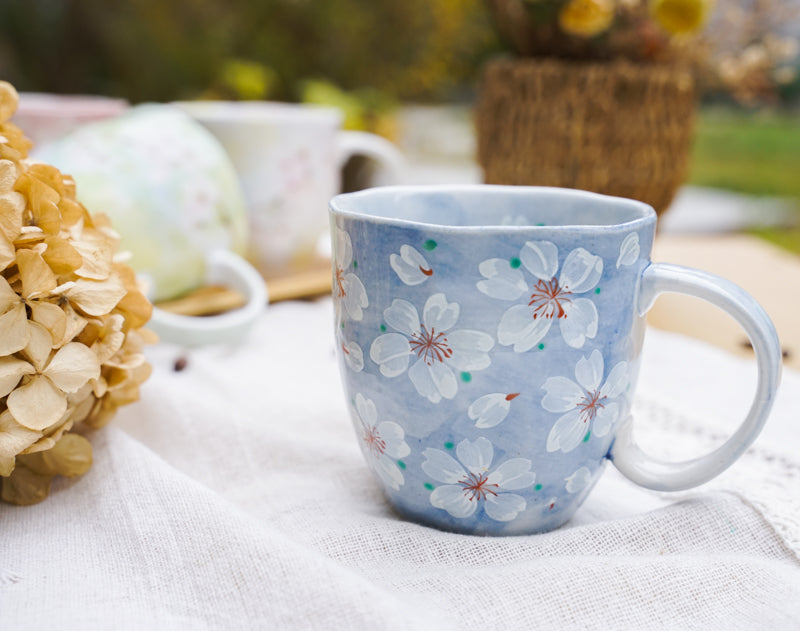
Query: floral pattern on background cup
pixel 489 341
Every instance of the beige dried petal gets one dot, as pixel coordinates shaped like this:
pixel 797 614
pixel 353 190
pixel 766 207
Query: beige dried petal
pixel 103 411
pixel 72 212
pixel 29 235
pixel 7 466
pixel 70 456
pixel 16 144
pixel 43 202
pixel 80 408
pixel 25 487
pixel 51 436
pixel 8 253
pixel 61 256
pixel 14 330
pixel 110 338
pixel 14 438
pixel 72 367
pixel 126 361
pixel 8 296
pixel 48 175
pixel 51 317
pixel 130 392
pixel 136 308
pixel 9 99
pixel 40 343
pixel 38 404
pixel 12 205
pixel 113 378
pixel 96 297
pixel 75 322
pixel 36 275
pixel 97 253
pixel 76 398
pixel 99 387
pixel 11 371
pixel 8 175
pixel 43 444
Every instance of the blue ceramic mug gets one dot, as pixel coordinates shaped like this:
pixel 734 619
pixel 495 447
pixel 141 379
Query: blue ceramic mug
pixel 489 340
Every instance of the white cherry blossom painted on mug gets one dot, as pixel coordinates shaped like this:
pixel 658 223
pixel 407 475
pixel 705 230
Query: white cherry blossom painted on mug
pixel 411 266
pixel 578 481
pixel 628 250
pixel 440 355
pixel 548 299
pixel 348 291
pixel 586 406
pixel 491 409
pixel 383 443
pixel 469 482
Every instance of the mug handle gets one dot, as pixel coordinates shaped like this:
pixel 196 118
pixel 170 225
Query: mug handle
pixel 391 163
pixel 223 268
pixel 659 475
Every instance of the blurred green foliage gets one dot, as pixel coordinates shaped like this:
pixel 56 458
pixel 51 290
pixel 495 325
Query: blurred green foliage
pixel 750 152
pixel 757 153
pixel 171 49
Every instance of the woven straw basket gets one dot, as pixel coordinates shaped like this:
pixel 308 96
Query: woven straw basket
pixel 617 128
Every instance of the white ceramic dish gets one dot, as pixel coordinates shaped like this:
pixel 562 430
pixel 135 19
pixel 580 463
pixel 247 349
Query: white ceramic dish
pixel 222 268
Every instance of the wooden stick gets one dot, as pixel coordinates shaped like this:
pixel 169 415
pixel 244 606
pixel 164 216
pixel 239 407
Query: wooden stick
pixel 214 299
pixel 208 300
pixel 310 284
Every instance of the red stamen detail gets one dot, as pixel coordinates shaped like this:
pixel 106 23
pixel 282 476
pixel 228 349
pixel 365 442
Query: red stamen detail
pixel 511 397
pixel 430 346
pixel 339 280
pixel 547 299
pixel 589 405
pixel 375 443
pixel 476 487
pixel 427 272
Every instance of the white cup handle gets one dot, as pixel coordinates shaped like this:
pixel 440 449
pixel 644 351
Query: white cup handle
pixel 656 474
pixel 391 163
pixel 222 268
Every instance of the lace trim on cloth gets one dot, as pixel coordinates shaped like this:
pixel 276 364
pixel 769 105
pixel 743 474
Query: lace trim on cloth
pixel 763 478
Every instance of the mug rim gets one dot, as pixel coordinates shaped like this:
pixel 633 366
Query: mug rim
pixel 646 213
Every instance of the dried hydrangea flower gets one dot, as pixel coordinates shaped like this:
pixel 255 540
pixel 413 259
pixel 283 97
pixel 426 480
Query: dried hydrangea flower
pixel 71 342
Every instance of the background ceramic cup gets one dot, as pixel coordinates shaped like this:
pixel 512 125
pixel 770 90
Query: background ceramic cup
pixel 166 183
pixel 173 196
pixel 47 117
pixel 489 341
pixel 289 159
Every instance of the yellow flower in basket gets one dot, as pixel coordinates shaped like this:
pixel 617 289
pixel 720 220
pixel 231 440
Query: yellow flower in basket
pixel 586 18
pixel 680 17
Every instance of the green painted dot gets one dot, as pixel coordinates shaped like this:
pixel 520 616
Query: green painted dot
pixel 383 328
pixel 448 445
pixel 538 487
pixel 401 464
pixel 355 264
pixel 515 262
pixel 586 438
pixel 429 245
pixel 541 223
pixel 428 486
pixel 597 291
pixel 466 377
pixel 342 325
pixel 540 347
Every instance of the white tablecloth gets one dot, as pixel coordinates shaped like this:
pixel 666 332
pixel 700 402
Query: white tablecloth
pixel 234 496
